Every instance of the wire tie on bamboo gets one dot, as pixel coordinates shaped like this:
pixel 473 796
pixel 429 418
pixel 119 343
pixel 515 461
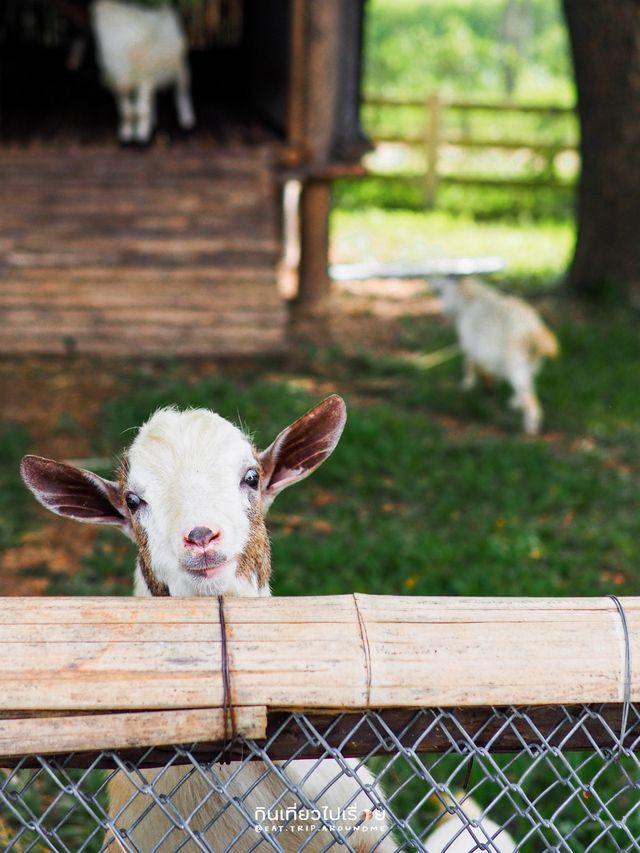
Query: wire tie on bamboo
pixel 365 647
pixel 627 672
pixel 228 709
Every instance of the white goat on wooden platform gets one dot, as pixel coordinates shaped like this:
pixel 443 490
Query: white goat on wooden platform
pixel 192 492
pixel 141 50
pixel 501 336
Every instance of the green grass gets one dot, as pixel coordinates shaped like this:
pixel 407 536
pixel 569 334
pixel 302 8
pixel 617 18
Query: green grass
pixel 404 507
pixel 431 491
pixel 533 253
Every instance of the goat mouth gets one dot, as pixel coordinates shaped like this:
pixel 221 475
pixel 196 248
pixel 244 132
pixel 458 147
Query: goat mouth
pixel 205 565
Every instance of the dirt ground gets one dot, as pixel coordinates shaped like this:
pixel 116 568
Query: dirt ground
pixel 40 393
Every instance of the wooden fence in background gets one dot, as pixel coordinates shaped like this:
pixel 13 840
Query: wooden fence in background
pixel 435 137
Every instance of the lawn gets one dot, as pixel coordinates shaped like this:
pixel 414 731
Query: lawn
pixel 431 491
pixel 534 253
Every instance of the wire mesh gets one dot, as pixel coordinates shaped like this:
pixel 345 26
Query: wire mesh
pixel 496 779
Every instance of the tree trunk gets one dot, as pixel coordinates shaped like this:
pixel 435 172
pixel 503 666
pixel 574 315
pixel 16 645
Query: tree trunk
pixel 605 41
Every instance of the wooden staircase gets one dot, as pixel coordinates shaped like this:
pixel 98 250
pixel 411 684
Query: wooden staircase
pixel 171 251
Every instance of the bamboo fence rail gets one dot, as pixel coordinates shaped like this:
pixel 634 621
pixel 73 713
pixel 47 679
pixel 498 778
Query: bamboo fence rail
pixel 82 674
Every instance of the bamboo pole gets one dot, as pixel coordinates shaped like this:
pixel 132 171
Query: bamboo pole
pixel 52 735
pixel 160 661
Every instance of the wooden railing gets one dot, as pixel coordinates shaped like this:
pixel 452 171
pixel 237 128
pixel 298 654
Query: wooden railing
pixel 119 718
pixel 83 674
pixel 435 137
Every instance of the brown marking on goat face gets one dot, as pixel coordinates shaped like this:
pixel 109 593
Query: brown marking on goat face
pixel 255 559
pixel 123 475
pixel 155 587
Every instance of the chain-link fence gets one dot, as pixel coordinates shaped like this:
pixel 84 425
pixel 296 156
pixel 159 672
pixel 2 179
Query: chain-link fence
pixel 532 779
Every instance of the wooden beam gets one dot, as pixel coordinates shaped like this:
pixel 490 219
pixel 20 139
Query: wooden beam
pixel 432 145
pixel 47 735
pixel 323 33
pixel 472 105
pixel 343 652
pixel 567 728
pixel 434 730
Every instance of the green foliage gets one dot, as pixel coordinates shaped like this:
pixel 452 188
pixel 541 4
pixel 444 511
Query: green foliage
pixel 417 47
pixel 515 205
pixel 15 512
pixel 454 48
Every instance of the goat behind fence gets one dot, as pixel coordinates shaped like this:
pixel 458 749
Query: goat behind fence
pixel 451 763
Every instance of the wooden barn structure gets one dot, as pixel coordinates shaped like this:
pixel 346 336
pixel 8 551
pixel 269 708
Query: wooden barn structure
pixel 172 250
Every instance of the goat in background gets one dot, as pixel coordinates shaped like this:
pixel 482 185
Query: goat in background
pixel 140 50
pixel 502 336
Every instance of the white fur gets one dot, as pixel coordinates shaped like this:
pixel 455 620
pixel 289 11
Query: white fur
pixel 455 835
pixel 255 788
pixel 188 468
pixel 139 51
pixel 502 336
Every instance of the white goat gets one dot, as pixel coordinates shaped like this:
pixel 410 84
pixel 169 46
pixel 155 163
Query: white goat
pixel 502 336
pixel 140 50
pixel 192 492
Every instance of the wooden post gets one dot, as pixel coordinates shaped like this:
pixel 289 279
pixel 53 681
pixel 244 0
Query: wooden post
pixel 296 105
pixel 323 27
pixel 314 287
pixel 432 143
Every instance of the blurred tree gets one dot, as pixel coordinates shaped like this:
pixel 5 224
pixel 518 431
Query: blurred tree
pixel 605 42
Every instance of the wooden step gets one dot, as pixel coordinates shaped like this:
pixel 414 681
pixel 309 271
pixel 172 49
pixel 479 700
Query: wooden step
pixel 167 252
pixel 140 296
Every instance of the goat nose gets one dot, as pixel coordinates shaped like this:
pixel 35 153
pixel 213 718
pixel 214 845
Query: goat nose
pixel 201 536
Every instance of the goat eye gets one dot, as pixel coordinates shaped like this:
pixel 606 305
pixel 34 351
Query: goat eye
pixel 251 478
pixel 133 501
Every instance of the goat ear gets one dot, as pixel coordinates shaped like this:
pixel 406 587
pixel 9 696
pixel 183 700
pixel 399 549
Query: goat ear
pixel 302 447
pixel 74 492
